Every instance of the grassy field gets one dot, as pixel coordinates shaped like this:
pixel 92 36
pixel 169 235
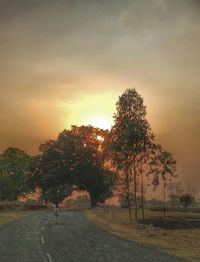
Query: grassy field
pixel 183 243
pixel 7 216
pixel 11 210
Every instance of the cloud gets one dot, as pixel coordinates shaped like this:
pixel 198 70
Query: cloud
pixel 59 52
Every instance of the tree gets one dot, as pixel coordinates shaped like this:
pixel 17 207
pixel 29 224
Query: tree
pixel 192 190
pixel 6 188
pixel 49 172
pixel 130 136
pixel 14 170
pixel 142 168
pixel 56 194
pixel 163 167
pixel 74 159
pixel 89 173
pixel 186 200
pixel 125 190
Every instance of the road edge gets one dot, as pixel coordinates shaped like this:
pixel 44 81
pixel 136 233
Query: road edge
pixel 10 223
pixel 91 216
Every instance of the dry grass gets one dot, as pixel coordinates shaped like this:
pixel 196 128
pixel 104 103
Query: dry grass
pixel 182 243
pixel 7 216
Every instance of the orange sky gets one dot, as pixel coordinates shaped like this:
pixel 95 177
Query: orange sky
pixel 66 62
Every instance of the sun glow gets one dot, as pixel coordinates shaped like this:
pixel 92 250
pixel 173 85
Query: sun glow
pixel 100 138
pixel 98 121
pixel 96 110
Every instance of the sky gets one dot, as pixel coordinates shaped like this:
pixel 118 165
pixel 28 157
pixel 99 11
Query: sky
pixel 66 62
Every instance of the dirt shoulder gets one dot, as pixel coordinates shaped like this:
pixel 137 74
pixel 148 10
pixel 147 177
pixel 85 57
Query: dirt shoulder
pixel 184 243
pixel 8 216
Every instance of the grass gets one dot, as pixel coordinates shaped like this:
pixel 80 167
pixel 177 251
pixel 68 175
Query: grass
pixel 183 243
pixel 8 216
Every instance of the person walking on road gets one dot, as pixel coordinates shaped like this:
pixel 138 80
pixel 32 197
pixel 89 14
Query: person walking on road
pixel 57 212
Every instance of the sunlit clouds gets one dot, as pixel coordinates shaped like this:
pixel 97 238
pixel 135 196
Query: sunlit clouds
pixel 66 62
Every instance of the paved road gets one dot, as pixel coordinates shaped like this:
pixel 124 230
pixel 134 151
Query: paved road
pixel 37 238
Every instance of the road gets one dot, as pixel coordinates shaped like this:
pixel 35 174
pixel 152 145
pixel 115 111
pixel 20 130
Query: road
pixel 37 238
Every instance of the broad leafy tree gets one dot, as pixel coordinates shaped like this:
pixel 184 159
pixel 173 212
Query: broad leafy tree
pixel 49 172
pixel 88 172
pixel 74 159
pixel 14 170
pixel 186 200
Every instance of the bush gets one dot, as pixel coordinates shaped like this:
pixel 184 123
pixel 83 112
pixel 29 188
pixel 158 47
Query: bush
pixel 186 200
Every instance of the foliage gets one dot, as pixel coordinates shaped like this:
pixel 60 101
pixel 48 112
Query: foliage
pixel 57 193
pixel 124 200
pixel 90 173
pixel 131 133
pixel 7 188
pixel 49 173
pixel 74 159
pixel 14 170
pixel 130 136
pixel 186 200
pixel 162 167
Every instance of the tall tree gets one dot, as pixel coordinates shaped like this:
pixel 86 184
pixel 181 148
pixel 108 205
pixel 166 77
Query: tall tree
pixel 130 136
pixel 140 167
pixel 143 163
pixel 124 189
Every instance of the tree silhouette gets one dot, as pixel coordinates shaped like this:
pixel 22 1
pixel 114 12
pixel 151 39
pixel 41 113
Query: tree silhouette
pixel 49 173
pixel 89 173
pixel 186 200
pixel 73 159
pixel 14 170
pixel 162 167
pixel 130 136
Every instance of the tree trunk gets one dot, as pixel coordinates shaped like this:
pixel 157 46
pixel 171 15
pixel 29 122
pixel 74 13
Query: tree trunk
pixel 142 194
pixel 135 190
pixel 93 201
pixel 164 204
pixel 128 194
pixel 164 198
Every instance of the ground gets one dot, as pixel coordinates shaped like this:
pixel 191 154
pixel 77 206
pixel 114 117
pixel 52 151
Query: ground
pixel 184 243
pixel 8 216
pixel 74 238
